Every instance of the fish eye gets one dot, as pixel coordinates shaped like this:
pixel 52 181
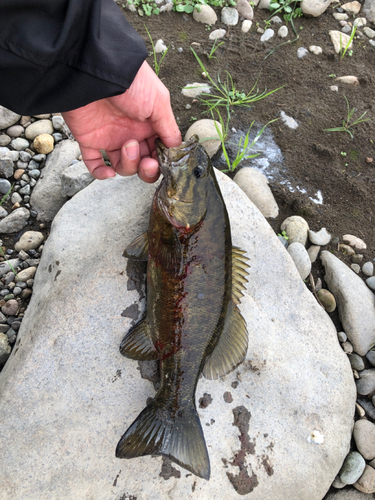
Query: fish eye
pixel 198 171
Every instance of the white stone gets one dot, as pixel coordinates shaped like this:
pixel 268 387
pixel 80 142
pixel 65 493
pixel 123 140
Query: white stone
pixel 352 8
pixel 368 268
pixel 283 32
pixel 7 118
pixel 244 9
pixel 302 52
pixel 354 241
pixel 315 49
pixel 339 16
pixel 229 16
pixel 314 8
pixel 217 34
pixel 205 14
pixel 300 258
pixel 58 122
pixel 296 228
pixel 340 40
pixel 267 35
pixel 29 240
pixel 334 88
pixel 349 79
pixel 255 185
pixel 264 4
pixel 355 302
pixel 160 47
pixel 359 22
pixel 246 26
pixel 75 178
pixel 276 20
pixel 288 120
pixel 313 252
pixel 195 89
pixel 37 128
pixel 47 197
pixel 67 395
pixel 369 32
pixel 26 274
pixel 20 144
pixel 321 237
pixel 205 129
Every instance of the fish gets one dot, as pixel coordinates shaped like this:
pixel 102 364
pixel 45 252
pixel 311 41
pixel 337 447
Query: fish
pixel 192 324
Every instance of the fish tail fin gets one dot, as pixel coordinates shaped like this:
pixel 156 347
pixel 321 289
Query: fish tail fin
pixel 177 435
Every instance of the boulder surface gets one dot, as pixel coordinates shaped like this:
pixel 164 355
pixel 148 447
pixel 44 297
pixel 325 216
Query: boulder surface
pixel 278 427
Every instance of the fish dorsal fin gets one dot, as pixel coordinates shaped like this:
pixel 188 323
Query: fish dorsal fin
pixel 239 273
pixel 138 248
pixel 137 343
pixel 231 348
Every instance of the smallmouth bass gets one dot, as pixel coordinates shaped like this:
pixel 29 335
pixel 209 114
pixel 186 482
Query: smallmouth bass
pixel 192 323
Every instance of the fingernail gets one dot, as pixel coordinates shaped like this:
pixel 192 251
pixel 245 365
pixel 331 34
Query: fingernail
pixel 132 150
pixel 149 172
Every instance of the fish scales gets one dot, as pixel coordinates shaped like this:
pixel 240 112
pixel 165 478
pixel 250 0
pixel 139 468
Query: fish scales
pixel 192 323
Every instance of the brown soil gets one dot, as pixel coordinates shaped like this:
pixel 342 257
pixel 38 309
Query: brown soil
pixel 312 157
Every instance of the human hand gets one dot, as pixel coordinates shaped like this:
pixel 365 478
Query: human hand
pixel 126 126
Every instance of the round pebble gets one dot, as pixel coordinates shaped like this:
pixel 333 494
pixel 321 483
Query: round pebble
pixel 302 52
pixel 5 348
pixel 43 143
pixel 4 186
pixel 246 26
pixel 26 274
pixel 4 140
pixel 347 347
pixel 229 16
pixel 283 32
pixel 352 468
pixel 368 268
pixel 39 127
pixel 346 249
pixel 301 259
pixel 364 437
pixel 356 362
pixel 355 242
pixel 371 357
pixel 313 252
pixel 370 282
pixel 15 131
pixel 267 35
pixel 366 384
pixel 366 483
pixel 357 258
pixel 29 240
pixel 58 122
pixel 356 268
pixel 296 228
pixel 342 336
pixel 10 308
pixel 327 299
pixel 19 144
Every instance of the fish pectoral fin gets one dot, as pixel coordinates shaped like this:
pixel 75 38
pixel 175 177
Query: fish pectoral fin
pixel 231 348
pixel 138 248
pixel 137 343
pixel 177 435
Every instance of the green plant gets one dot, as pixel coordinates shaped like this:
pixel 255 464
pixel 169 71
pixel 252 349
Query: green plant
pixel 214 49
pixel 226 93
pixel 156 63
pixel 343 52
pixel 147 7
pixel 288 8
pixel 346 125
pixel 283 235
pixel 243 145
pixel 193 118
pixel 189 5
pixel 332 75
pixel 343 153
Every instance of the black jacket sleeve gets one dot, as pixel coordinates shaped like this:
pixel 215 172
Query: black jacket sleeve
pixel 58 55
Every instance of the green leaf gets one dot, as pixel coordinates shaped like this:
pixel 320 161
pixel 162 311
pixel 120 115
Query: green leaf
pixel 188 9
pixel 180 8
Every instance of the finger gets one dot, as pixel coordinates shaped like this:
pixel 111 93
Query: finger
pixel 164 123
pixel 148 170
pixel 129 158
pixel 95 164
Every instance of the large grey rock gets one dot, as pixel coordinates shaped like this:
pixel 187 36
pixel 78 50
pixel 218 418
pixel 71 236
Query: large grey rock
pixel 356 303
pixel 368 10
pixel 47 197
pixel 75 178
pixel 7 118
pixel 67 395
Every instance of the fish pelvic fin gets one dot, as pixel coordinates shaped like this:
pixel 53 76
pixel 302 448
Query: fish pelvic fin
pixel 138 248
pixel 137 343
pixel 174 434
pixel 231 348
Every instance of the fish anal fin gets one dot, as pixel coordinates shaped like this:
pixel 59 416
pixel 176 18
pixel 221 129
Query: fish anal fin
pixel 138 248
pixel 231 348
pixel 176 435
pixel 137 343
pixel 239 273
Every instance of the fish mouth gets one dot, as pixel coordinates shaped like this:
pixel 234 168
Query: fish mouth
pixel 174 157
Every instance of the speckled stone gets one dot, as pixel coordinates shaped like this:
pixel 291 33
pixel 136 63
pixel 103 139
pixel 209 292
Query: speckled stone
pixel 352 468
pixel 364 437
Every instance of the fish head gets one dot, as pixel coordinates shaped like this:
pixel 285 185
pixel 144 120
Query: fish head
pixel 187 171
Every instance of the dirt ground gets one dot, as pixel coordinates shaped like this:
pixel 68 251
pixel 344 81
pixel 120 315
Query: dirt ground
pixel 313 158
